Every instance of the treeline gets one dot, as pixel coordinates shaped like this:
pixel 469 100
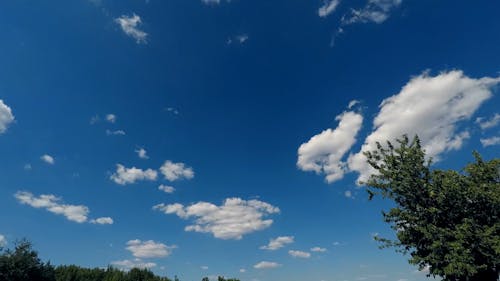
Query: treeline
pixel 23 264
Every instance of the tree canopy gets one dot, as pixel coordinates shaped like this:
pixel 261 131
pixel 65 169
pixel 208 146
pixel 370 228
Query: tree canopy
pixel 447 221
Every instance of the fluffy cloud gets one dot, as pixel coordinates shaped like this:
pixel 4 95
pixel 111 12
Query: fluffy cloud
pixel 136 263
pixel 376 11
pixel 277 243
pixel 431 107
pixel 299 254
pixel 166 188
pixel 129 25
pixel 231 220
pixel 3 241
pixel 318 250
pixel 103 220
pixel 328 7
pixel 142 153
pixel 486 124
pixel 323 153
pixel 490 141
pixel 175 171
pixel 51 203
pixel 125 176
pixel 266 265
pixel 6 116
pixel 47 159
pixel 149 249
pixel 111 118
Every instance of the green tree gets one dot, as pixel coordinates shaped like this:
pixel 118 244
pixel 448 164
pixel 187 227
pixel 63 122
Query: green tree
pixel 446 220
pixel 23 264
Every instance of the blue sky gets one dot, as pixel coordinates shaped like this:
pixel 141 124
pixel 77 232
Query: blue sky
pixel 203 138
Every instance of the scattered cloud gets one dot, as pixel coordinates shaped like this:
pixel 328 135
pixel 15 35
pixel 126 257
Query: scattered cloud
pixel 94 119
pixel 329 6
pixel 103 220
pixel 318 249
pixel 166 188
pixel 242 270
pixel 212 2
pixel 443 101
pixel 136 263
pixel 125 175
pixel 149 249
pixel 142 153
pixel 353 103
pixel 204 267
pixel 376 11
pixel 233 219
pixel 299 254
pixel 490 141
pixel 115 133
pixel 277 243
pixel 486 124
pixel 348 194
pixel 47 159
pixel 240 39
pixel 172 110
pixel 111 118
pixel 3 241
pixel 27 167
pixel 266 265
pixel 53 204
pixel 129 25
pixel 323 153
pixel 175 171
pixel 6 117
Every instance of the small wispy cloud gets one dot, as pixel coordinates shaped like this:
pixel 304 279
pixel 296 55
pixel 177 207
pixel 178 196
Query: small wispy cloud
pixel 115 133
pixel 142 153
pixel 329 6
pixel 48 159
pixel 130 25
pixel 490 141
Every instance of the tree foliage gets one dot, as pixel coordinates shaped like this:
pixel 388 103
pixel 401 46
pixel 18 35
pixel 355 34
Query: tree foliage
pixel 447 221
pixel 23 264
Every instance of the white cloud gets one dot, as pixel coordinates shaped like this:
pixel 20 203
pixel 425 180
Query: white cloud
pixel 149 249
pixel 210 2
pixel 242 270
pixel 125 176
pixel 129 25
pixel 47 159
pixel 232 220
pixel 94 119
pixel 204 267
pixel 277 243
pixel 172 110
pixel 175 171
pixel 166 188
pixel 3 241
pixel 299 254
pixel 329 6
pixel 353 103
pixel 242 38
pixel 103 220
pixel 137 263
pixel 266 265
pixel 51 203
pixel 27 167
pixel 318 249
pixel 111 118
pixel 486 124
pixel 431 107
pixel 490 141
pixel 348 194
pixel 323 153
pixel 6 116
pixel 115 133
pixel 142 153
pixel 376 11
